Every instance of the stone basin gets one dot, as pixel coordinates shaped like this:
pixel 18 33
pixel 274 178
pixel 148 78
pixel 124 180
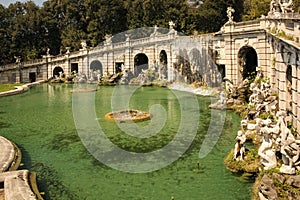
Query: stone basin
pixel 128 115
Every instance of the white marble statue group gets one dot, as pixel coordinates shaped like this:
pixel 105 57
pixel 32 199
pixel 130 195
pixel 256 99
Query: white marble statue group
pixel 280 147
pixel 281 6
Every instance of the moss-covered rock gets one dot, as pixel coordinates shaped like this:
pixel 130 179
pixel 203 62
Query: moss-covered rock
pixel 250 164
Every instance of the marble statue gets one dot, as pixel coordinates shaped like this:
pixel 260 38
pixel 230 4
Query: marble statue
pixel 83 45
pixel 286 6
pixel 99 75
pixel 239 149
pixel 266 151
pixel 171 25
pixel 222 98
pixel 281 6
pixel 230 12
pixel 274 6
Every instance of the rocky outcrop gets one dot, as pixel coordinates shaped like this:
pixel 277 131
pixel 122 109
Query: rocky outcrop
pixel 266 189
pixel 270 129
pixel 278 187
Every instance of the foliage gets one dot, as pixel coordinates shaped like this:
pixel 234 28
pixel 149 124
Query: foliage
pixel 28 31
pixel 253 9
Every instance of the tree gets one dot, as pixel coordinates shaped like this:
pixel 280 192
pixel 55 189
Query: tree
pixel 254 9
pixel 53 14
pixel 24 30
pixel 4 37
pixel 104 17
pixel 212 14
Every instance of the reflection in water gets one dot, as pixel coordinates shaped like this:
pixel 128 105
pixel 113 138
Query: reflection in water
pixel 41 122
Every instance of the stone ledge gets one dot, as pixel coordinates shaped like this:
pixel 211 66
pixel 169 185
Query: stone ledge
pixel 7 154
pixel 17 186
pixel 20 89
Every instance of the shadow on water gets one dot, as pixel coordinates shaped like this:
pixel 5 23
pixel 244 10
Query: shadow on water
pixel 48 178
pixel 4 125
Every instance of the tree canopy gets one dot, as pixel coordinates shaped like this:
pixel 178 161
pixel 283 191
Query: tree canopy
pixel 27 30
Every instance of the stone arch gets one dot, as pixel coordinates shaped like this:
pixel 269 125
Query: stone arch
pixel 95 66
pixel 56 71
pixel 247 62
pixel 141 62
pixel 163 65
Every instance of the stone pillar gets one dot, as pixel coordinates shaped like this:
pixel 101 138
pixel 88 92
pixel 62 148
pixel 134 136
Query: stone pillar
pixel 297 72
pixel 294 91
pixel 129 59
pixel 171 61
pixel 281 79
pixel 262 53
pixel 231 67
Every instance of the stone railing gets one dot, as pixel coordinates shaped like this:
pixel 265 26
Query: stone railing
pixel 287 27
pixel 8 67
pixel 101 48
pixel 247 26
pixel 291 15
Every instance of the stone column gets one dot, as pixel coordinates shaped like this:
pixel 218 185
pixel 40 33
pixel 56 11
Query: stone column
pixel 297 71
pixel 294 89
pixel 129 59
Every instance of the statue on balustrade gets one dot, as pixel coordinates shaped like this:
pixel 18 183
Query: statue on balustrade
pixel 281 6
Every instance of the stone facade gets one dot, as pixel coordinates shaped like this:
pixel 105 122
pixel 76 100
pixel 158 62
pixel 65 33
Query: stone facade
pixel 270 44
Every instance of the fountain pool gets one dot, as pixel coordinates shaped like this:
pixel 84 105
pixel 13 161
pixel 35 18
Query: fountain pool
pixel 41 123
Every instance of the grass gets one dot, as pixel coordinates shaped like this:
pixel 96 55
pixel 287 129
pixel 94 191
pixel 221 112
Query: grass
pixel 7 87
pixel 250 164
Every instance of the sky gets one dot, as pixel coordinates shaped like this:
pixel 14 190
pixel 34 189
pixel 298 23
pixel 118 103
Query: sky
pixel 6 3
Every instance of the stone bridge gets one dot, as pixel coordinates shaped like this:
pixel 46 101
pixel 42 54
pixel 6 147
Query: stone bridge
pixel 270 44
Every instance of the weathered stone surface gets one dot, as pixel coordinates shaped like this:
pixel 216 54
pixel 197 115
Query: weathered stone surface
pixel 7 154
pixel 267 188
pixel 285 169
pixel 294 181
pixel 16 185
pixel 279 177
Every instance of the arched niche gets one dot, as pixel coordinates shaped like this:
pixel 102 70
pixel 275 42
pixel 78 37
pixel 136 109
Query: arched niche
pixel 96 65
pixel 56 71
pixel 141 62
pixel 163 64
pixel 247 62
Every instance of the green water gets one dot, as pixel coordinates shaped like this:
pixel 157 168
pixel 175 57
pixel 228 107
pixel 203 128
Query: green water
pixel 41 123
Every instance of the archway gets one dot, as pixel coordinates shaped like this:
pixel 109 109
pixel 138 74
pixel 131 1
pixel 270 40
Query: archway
pixel 96 65
pixel 163 65
pixel 247 62
pixel 56 71
pixel 141 62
